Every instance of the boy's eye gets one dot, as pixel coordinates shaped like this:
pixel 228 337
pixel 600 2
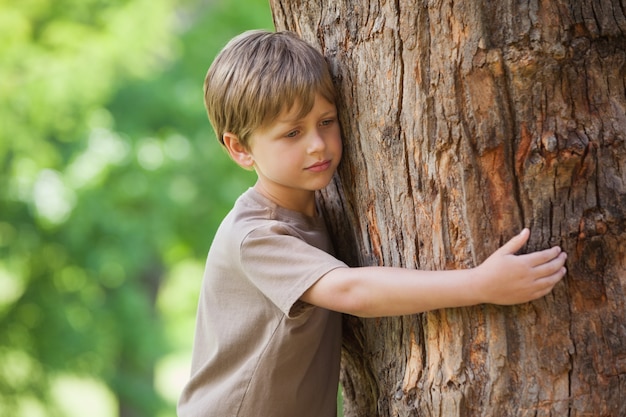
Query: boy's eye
pixel 327 122
pixel 292 134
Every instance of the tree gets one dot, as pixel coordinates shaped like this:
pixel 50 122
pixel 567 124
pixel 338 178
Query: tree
pixel 464 122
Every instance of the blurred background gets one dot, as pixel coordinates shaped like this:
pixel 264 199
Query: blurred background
pixel 111 187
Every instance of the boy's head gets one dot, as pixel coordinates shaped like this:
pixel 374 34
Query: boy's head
pixel 260 74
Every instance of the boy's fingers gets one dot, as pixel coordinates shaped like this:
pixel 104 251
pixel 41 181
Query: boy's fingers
pixel 551 280
pixel 550 267
pixel 516 243
pixel 544 256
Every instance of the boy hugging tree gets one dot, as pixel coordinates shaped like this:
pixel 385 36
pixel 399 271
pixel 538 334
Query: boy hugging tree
pixel 268 332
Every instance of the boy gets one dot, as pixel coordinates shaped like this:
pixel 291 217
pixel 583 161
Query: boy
pixel 268 333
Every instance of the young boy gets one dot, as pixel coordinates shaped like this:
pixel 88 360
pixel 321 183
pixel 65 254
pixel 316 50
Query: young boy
pixel 268 333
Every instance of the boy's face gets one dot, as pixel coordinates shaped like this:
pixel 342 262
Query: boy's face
pixel 293 155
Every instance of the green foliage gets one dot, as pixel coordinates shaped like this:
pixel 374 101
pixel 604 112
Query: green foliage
pixel 111 187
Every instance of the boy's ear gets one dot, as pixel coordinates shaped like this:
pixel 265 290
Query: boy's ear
pixel 237 151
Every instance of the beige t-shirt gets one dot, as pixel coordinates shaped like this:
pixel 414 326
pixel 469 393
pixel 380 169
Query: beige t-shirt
pixel 258 350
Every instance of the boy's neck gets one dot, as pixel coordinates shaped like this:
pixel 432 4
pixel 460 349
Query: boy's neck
pixel 301 201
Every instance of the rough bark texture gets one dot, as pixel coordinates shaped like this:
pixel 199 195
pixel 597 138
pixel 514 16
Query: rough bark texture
pixel 464 122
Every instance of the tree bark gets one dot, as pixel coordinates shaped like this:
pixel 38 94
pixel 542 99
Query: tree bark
pixel 464 122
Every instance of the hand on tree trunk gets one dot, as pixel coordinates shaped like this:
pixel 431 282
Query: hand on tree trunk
pixel 506 278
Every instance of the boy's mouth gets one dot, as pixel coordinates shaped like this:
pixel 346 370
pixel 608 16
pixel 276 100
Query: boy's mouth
pixel 319 166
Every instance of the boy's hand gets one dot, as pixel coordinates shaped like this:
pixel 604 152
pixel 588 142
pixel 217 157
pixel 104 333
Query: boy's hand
pixel 506 278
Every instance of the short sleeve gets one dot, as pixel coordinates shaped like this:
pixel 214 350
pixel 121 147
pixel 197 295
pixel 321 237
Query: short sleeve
pixel 283 266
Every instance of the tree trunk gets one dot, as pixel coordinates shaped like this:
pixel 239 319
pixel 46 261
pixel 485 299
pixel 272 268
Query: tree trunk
pixel 464 122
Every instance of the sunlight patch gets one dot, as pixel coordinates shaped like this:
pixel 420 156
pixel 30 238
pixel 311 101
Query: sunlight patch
pixel 11 287
pixel 105 148
pixel 150 154
pixel 171 375
pixel 80 397
pixel 53 200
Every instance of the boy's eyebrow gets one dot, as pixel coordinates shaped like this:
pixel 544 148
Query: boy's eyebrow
pixel 295 119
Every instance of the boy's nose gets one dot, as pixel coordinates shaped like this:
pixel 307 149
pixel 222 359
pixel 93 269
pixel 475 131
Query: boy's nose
pixel 316 142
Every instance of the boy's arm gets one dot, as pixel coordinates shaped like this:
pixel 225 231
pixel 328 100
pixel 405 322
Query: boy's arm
pixel 504 278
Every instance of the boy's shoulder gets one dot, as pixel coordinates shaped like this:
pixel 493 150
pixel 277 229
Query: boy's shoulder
pixel 253 207
pixel 253 213
pixel 250 212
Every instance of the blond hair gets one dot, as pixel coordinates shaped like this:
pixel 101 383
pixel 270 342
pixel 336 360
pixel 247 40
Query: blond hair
pixel 260 74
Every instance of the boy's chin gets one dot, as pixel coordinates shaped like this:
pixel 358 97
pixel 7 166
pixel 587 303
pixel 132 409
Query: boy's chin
pixel 321 187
